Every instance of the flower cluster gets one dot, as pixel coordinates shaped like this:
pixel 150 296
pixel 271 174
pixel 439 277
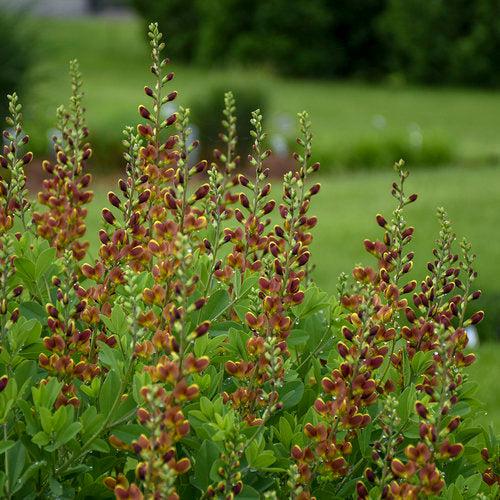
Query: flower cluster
pixel 279 257
pixel 195 358
pixel 65 193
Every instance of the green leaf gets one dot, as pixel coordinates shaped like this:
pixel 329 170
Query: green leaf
pixel 314 300
pixel 407 401
pixel 264 459
pixel 292 393
pixel 112 358
pixel 100 445
pixel 127 433
pixel 68 433
pixel 46 419
pixel 117 323
pixel 33 310
pixel 204 458
pixel 28 473
pixel 248 493
pixel 216 305
pixel 6 445
pixel 298 337
pixel 44 261
pixel 16 456
pixel 26 269
pixel 472 484
pixel 364 440
pixel 285 432
pixel 40 439
pixel 109 392
pixel 406 369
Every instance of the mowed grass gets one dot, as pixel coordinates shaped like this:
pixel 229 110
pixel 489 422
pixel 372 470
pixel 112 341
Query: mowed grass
pixel 114 60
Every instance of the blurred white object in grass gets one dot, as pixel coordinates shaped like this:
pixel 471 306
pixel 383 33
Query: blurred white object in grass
pixel 279 144
pixel 379 122
pixel 472 336
pixel 415 135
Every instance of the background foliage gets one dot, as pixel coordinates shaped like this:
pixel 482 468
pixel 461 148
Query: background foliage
pixel 423 42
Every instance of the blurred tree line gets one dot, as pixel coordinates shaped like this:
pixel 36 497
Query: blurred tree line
pixel 418 41
pixel 16 55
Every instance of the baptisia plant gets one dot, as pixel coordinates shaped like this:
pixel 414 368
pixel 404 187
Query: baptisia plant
pixel 195 357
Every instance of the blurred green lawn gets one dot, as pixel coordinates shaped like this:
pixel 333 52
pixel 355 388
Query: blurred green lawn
pixel 114 62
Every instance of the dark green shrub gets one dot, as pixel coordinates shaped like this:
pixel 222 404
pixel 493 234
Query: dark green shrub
pixel 455 41
pixel 178 19
pixel 16 43
pixel 206 115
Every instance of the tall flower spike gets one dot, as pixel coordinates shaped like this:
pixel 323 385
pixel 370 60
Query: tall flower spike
pixel 65 192
pixel 13 192
pixel 228 158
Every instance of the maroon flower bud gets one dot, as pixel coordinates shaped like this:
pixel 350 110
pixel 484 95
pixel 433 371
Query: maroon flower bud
pixel 476 294
pixel 370 475
pixel 348 335
pixel 4 380
pixel 108 216
pixel 381 221
pixel 87 153
pixel 303 258
pixel 477 317
pixel 412 198
pixel 169 77
pixel 15 315
pixel 265 190
pixel 144 112
pixel 148 91
pixel 239 215
pixel 409 287
pixel 202 328
pixel 201 192
pixel 113 199
pixel 171 141
pixel 421 409
pixel 200 303
pixel 314 189
pixel 268 207
pixel 171 96
pixel 103 236
pixel 170 201
pixel 361 490
pixel 243 180
pixel 407 232
pixel 199 167
pixel 18 290
pixel 279 231
pixel 410 315
pixel 343 350
pixel 244 200
pixel 27 158
pixel 454 423
pixel 171 119
pixel 144 196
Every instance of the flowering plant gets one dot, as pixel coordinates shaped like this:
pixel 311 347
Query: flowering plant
pixel 195 357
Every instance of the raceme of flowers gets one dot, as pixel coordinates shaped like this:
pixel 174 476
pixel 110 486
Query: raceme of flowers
pixel 194 357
